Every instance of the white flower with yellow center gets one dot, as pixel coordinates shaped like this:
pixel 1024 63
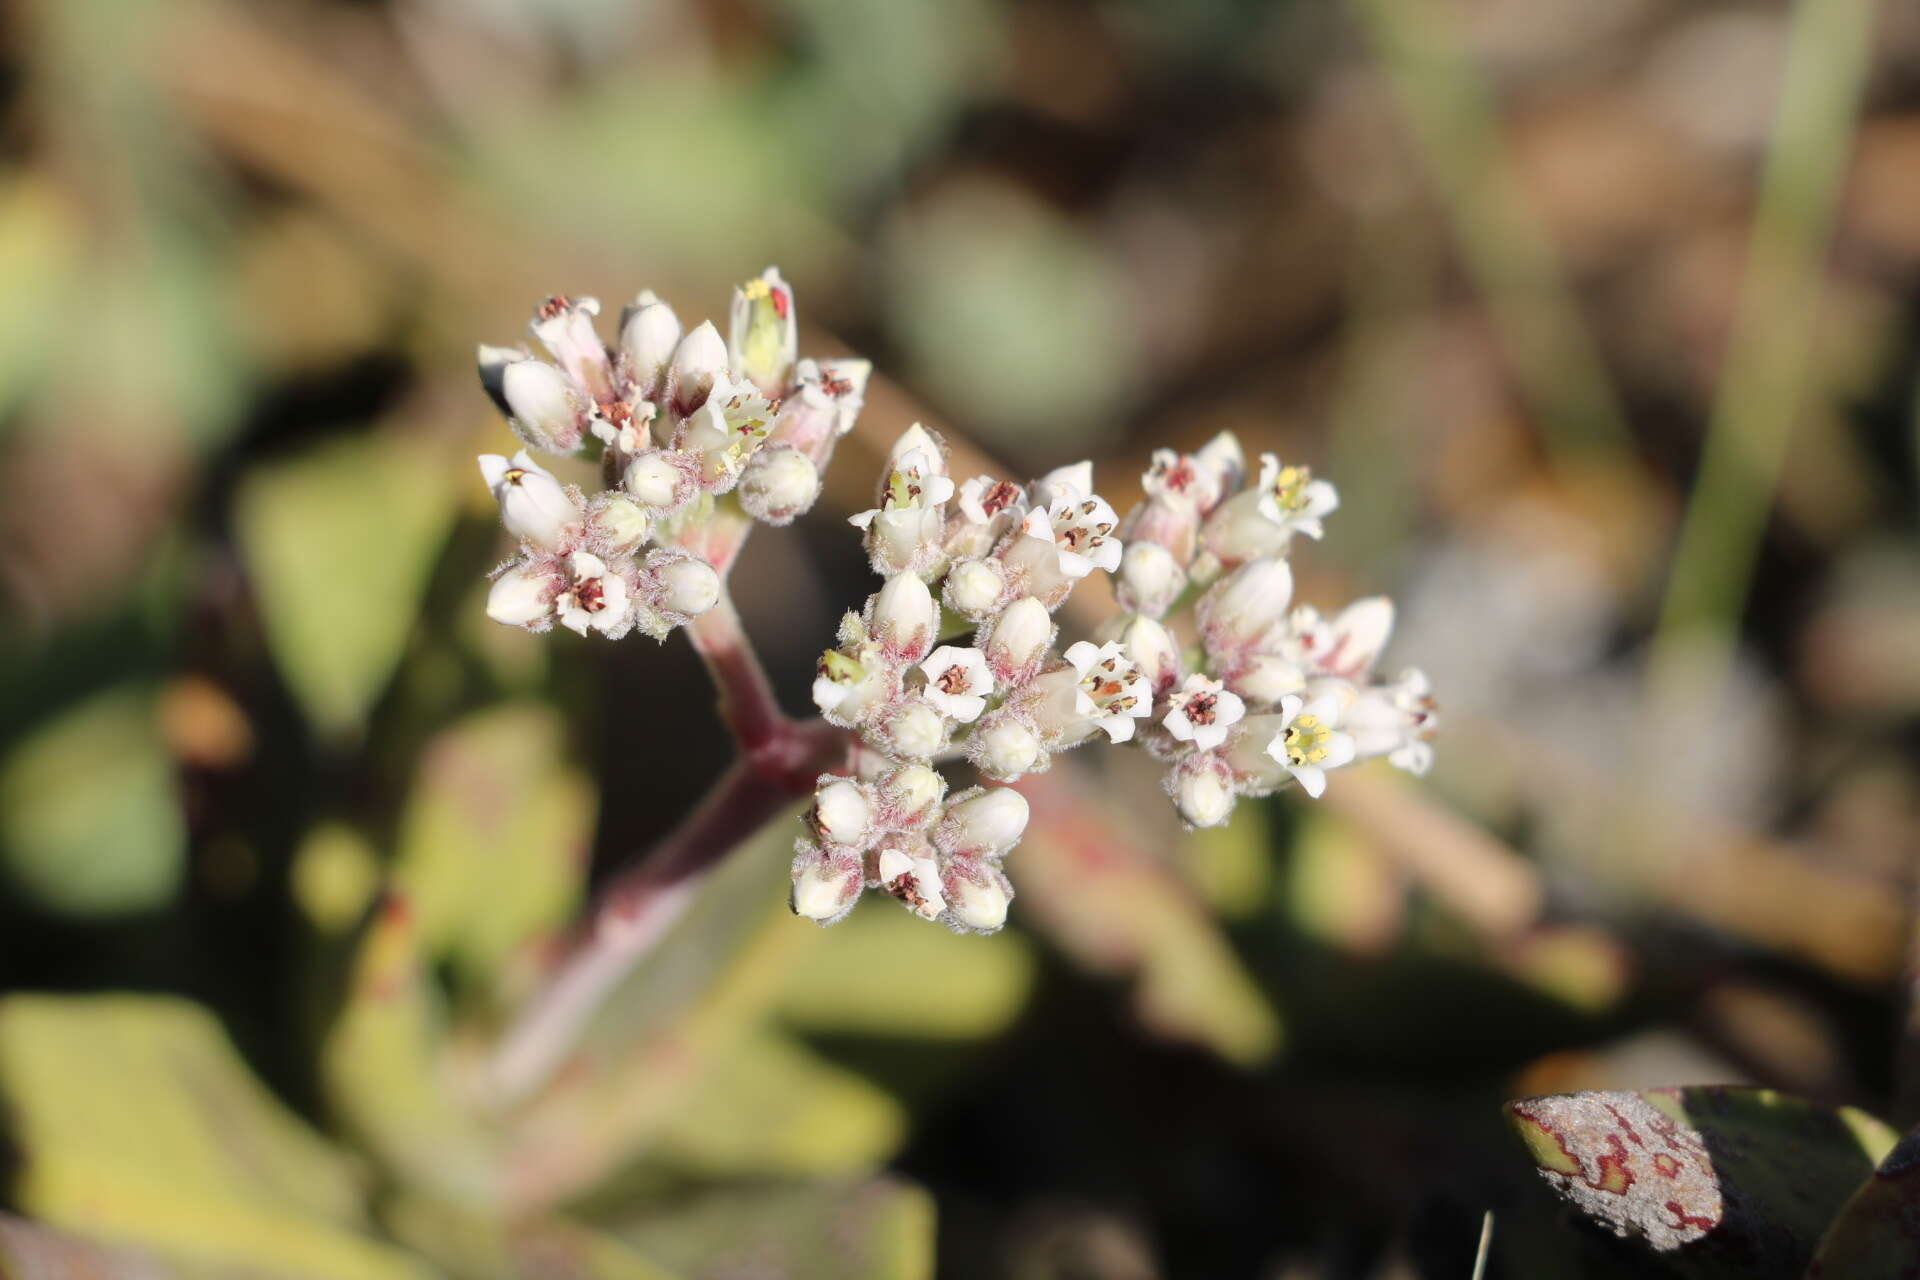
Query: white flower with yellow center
pixel 1291 498
pixel 1202 712
pixel 1309 742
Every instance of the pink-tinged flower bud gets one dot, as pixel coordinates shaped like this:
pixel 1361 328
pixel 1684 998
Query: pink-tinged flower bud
pixel 565 327
pixel 957 682
pixel 1017 641
pixel 1246 607
pixel 977 896
pixel 523 596
pixel 1347 645
pixel 649 332
pixel 1202 789
pixel 1152 649
pixel 1225 463
pixel 662 479
pixel 1237 531
pixel 903 618
pixel 973 588
pixel 688 585
pixel 533 505
pixel 1150 579
pixel 825 885
pixel 909 797
pixel 763 337
pixel 1004 746
pixel 914 878
pixel 982 823
pixel 912 731
pixel 842 814
pixel 618 522
pixel 1265 678
pixel 546 411
pixel 700 358
pixel 778 484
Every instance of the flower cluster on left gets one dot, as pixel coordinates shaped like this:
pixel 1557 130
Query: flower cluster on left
pixel 680 418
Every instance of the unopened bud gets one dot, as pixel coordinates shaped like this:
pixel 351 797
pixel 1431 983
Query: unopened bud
pixel 778 484
pixel 825 887
pixel 658 481
pixel 914 731
pixel 983 823
pixel 842 814
pixel 688 586
pixel 1018 640
pixel 762 337
pixel 649 332
pixel 620 522
pixel 493 362
pixel 980 905
pixel 904 618
pixel 547 411
pixel 974 587
pixel 533 505
pixel 1225 461
pixel 909 794
pixel 1237 530
pixel 1202 789
pixel 1245 606
pixel 1152 648
pixel 1005 747
pixel 1151 579
pixel 520 596
pixel 697 361
pixel 1268 677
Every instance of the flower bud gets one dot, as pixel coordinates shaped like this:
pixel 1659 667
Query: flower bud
pixel 1017 641
pixel 1151 579
pixel 660 480
pixel 913 731
pixel 522 596
pixel 565 327
pixel 1238 531
pixel 983 823
pixel 909 795
pixel 973 588
pixel 649 332
pixel 688 585
pixel 778 484
pixel 620 522
pixel 1246 606
pixel 931 460
pixel 903 617
pixel 762 337
pixel 533 505
pixel 1267 678
pixel 493 362
pixel 1004 747
pixel 1202 787
pixel 914 879
pixel 697 361
pixel 978 904
pixel 1226 464
pixel 1152 649
pixel 547 411
pixel 842 814
pixel 825 887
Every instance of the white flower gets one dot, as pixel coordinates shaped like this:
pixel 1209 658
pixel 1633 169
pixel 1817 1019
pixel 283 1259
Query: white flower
pixel 1395 720
pixel 1202 712
pixel 853 679
pixel 904 532
pixel 915 483
pixel 1110 690
pixel 1183 480
pixel 565 327
pixel 1064 484
pixel 533 505
pixel 957 682
pixel 826 398
pixel 914 879
pixel 1081 530
pixel 762 337
pixel 1309 742
pixel 727 429
pixel 1291 498
pixel 596 598
pixel 1346 645
pixel 984 499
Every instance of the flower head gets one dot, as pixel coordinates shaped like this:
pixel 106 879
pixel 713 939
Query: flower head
pixel 958 682
pixel 1309 741
pixel 1202 712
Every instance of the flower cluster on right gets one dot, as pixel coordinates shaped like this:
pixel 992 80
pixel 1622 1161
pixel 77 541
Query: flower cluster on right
pixel 1210 666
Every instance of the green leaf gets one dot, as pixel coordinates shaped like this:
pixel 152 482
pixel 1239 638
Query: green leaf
pixel 137 1123
pixel 387 1076
pixel 877 1230
pixel 1717 1180
pixel 88 815
pixel 340 542
pixel 1877 1235
pixel 493 843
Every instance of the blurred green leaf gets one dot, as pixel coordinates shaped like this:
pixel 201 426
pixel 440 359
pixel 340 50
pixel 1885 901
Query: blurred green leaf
pixel 1877 1235
pixel 340 542
pixel 1232 864
pixel 878 1230
pixel 37 253
pixel 88 814
pixel 335 875
pixel 387 1075
pixel 493 842
pixel 137 1122
pixel 884 972
pixel 1719 1181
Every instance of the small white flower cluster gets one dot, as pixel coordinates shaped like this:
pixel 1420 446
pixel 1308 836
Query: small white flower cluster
pixel 681 418
pixel 1265 694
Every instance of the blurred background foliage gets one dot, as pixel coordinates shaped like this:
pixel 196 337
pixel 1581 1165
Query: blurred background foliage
pixel 1603 317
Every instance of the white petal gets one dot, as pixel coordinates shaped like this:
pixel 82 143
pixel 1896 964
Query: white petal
pixel 1313 781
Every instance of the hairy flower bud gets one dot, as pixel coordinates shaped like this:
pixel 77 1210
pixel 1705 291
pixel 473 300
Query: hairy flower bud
pixel 618 522
pixel 1004 746
pixel 1150 579
pixel 982 823
pixel 903 618
pixel 825 886
pixel 546 411
pixel 778 484
pixel 493 362
pixel 913 731
pixel 688 585
pixel 842 814
pixel 974 587
pixel 649 332
pixel 909 797
pixel 533 505
pixel 1017 641
pixel 1202 788
pixel 662 480
pixel 978 897
pixel 1246 607
pixel 700 358
pixel 523 596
